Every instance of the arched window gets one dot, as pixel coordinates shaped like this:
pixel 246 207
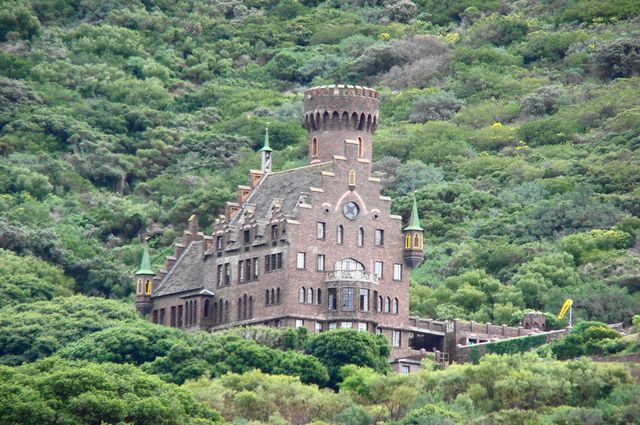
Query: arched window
pixel 408 242
pixel 206 308
pixel 148 287
pixel 226 311
pixel 314 147
pixel 310 295
pixel 395 306
pixel 239 308
pixel 379 306
pixel 387 305
pixel 360 236
pixel 340 238
pixel 360 147
pixel 244 306
pixel 416 241
pixel 273 299
pixel 214 312
pixel 266 297
pixel 348 264
pixel 301 295
pixel 277 295
pixel 139 290
pixel 319 296
pixel 195 312
pixel 186 313
pixel 352 178
pixel 250 312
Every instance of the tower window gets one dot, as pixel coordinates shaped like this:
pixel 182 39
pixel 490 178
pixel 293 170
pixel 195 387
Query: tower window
pixel 314 147
pixel 408 242
pixel 352 178
pixel 148 287
pixel 340 238
pixel 360 147
pixel 360 236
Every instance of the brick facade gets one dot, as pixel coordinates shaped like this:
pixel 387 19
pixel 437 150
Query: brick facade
pixel 291 250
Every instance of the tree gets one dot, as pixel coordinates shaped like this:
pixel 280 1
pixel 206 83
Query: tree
pixel 65 391
pixel 348 346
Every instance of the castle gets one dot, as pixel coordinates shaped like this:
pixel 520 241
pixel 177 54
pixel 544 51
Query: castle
pixel 315 246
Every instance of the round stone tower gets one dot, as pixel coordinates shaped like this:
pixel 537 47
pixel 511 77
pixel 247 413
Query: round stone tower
pixel 338 116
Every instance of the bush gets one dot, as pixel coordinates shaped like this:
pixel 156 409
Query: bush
pixel 618 59
pixel 543 102
pixel 549 45
pixel 437 106
pixel 400 10
pixel 17 19
pixel 498 30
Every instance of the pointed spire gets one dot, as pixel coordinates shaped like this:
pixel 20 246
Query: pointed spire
pixel 145 263
pixel 266 147
pixel 414 220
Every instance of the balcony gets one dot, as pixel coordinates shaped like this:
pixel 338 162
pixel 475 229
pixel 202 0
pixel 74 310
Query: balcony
pixel 350 276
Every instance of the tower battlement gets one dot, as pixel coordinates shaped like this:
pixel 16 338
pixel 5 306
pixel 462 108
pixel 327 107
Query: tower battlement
pixel 335 113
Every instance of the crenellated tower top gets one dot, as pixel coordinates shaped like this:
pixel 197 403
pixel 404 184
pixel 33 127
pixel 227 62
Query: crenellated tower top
pixel 336 116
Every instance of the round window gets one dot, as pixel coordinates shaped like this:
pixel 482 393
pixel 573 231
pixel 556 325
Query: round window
pixel 350 210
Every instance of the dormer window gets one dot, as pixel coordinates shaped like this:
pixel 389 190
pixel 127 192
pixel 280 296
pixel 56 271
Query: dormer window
pixel 247 236
pixel 219 242
pixel 274 231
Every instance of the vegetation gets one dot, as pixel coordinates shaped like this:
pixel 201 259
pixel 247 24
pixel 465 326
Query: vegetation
pixel 517 124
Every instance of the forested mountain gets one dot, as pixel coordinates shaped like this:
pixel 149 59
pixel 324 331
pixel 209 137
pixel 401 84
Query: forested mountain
pixel 515 123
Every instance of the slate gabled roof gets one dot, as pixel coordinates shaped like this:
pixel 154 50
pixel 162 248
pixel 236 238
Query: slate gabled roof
pixel 286 185
pixel 186 274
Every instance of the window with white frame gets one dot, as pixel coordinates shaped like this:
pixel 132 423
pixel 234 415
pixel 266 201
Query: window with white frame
pixel 340 235
pixel 320 230
pixel 318 327
pixel 299 323
pixel 310 295
pixel 360 236
pixel 379 237
pixel 320 262
pixel 333 326
pixel 301 295
pixel 397 271
pixel 362 326
pixel 364 299
pixel 300 260
pixel 394 310
pixel 405 369
pixel 346 325
pixel 377 268
pixel 348 295
pixel 395 339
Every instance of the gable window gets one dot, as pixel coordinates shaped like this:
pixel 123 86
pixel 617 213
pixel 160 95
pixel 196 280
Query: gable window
pixel 397 271
pixel 274 231
pixel 247 236
pixel 300 260
pixel 379 237
pixel 320 230
pixel 340 237
pixel 360 236
pixel 219 242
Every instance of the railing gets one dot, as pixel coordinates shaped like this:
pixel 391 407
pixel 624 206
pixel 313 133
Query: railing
pixel 350 275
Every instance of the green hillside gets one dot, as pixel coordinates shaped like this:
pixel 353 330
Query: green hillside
pixel 516 124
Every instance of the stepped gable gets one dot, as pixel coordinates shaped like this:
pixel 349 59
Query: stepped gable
pixel 186 274
pixel 285 185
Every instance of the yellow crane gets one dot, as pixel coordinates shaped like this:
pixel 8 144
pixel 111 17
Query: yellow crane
pixel 566 307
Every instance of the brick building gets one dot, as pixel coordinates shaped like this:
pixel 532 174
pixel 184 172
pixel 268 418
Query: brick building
pixel 315 246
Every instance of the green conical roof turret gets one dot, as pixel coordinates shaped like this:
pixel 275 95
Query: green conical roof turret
pixel 266 147
pixel 145 263
pixel 414 220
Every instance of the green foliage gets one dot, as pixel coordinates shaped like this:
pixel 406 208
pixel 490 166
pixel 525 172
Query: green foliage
pixel 57 390
pixel 517 345
pixel 346 346
pixel 35 330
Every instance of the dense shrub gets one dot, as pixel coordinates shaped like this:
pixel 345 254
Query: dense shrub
pixel 620 58
pixel 437 106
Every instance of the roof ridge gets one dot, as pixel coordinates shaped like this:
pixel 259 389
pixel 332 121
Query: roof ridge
pixel 300 168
